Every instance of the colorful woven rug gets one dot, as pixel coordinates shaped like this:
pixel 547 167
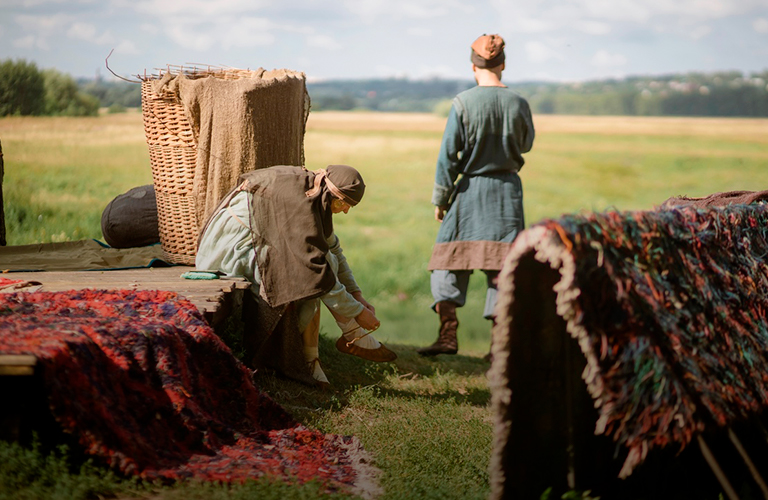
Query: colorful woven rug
pixel 669 310
pixel 146 385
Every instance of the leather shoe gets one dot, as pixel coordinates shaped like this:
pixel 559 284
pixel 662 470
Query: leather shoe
pixel 380 355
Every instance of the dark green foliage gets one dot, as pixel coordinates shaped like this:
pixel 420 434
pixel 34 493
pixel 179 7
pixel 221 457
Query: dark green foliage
pixel 21 88
pixel 691 94
pixel 109 94
pixel 116 108
pixel 62 97
pixel 25 90
pixel 394 94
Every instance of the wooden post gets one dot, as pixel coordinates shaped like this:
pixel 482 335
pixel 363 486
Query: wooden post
pixel 748 461
pixel 719 474
pixel 2 211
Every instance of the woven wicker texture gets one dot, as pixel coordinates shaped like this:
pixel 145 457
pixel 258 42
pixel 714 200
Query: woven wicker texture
pixel 204 129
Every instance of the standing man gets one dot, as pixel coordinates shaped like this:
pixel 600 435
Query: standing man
pixel 478 196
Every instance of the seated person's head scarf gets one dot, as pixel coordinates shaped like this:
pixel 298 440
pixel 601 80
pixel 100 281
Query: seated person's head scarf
pixel 291 217
pixel 338 181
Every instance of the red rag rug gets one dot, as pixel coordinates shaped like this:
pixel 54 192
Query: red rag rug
pixel 145 384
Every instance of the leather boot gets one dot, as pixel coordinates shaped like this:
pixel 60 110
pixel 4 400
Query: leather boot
pixel 446 342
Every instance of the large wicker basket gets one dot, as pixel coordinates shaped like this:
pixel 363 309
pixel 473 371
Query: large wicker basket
pixel 173 157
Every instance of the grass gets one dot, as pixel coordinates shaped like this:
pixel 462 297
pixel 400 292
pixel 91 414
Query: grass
pixel 427 421
pixel 32 473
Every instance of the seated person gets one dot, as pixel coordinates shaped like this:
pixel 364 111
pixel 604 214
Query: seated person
pixel 276 229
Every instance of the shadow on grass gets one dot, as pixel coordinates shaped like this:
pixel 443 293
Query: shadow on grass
pixel 348 374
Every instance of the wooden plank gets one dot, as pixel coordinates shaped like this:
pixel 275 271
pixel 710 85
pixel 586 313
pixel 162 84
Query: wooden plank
pixel 149 275
pixel 170 286
pixel 212 297
pixel 17 364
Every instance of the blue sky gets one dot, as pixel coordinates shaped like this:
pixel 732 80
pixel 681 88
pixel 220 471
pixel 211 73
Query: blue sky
pixel 564 40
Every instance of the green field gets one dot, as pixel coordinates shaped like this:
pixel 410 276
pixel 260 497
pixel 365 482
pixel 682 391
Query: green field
pixel 61 172
pixel 426 421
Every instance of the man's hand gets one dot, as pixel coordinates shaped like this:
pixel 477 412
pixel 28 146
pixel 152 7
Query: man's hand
pixel 440 213
pixel 367 320
pixel 359 297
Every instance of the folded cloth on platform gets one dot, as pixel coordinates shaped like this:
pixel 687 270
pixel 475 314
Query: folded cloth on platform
pixel 145 385
pixel 200 275
pixel 83 255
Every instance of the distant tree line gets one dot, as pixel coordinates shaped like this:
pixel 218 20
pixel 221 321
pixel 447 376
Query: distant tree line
pixel 692 94
pixel 113 94
pixel 384 94
pixel 27 90
pixel 24 89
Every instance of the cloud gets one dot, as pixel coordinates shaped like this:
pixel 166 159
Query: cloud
pixel 531 24
pixel 89 33
pixel 246 32
pixel 126 47
pixel 419 31
pixel 646 10
pixel 224 32
pixel 39 29
pixel 323 42
pixel 605 59
pixel 44 24
pixel 592 27
pixel 700 32
pixel 202 25
pixel 184 37
pixel 201 9
pixel 760 25
pixel 32 42
pixel 539 52
pixel 371 11
pixel 30 3
pixel 601 17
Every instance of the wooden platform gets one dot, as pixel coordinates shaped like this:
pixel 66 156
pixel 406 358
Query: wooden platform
pixel 214 298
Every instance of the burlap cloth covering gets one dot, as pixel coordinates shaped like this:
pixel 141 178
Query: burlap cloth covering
pixel 240 125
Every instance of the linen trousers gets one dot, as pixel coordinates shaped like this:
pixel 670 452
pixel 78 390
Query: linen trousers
pixel 452 286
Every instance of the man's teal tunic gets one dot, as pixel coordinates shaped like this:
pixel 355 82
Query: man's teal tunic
pixel 488 130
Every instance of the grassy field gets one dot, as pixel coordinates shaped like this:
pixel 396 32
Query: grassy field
pixel 426 421
pixel 61 172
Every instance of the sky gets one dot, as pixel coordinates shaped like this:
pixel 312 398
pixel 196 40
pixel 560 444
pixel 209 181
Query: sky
pixel 550 40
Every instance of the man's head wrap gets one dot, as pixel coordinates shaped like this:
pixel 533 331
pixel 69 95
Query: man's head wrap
pixel 488 51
